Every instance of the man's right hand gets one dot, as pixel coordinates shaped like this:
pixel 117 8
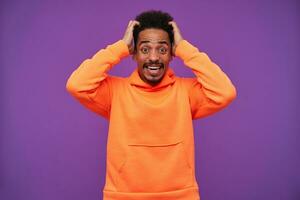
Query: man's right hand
pixel 128 36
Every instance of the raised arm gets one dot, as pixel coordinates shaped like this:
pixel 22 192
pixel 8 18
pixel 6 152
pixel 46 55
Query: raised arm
pixel 211 89
pixel 90 84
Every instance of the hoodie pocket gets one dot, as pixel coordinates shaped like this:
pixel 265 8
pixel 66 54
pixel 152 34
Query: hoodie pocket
pixel 155 168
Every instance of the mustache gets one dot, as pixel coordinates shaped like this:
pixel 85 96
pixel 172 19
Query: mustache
pixel 153 63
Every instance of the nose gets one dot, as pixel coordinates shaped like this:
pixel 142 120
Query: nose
pixel 153 56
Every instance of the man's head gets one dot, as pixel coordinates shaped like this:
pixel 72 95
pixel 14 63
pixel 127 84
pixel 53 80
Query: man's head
pixel 153 40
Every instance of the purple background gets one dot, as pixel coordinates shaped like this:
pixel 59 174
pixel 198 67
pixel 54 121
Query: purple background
pixel 53 148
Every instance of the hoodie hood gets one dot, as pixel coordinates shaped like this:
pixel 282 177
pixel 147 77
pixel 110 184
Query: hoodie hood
pixel 168 79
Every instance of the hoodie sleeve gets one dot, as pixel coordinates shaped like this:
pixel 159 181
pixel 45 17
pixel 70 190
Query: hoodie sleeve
pixel 211 89
pixel 90 84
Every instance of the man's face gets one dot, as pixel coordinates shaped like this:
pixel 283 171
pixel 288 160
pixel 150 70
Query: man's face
pixel 153 54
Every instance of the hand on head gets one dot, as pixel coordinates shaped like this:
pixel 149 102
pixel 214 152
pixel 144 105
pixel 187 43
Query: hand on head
pixel 177 35
pixel 128 36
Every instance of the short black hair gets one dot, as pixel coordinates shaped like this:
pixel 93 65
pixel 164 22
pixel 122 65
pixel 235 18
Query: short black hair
pixel 153 19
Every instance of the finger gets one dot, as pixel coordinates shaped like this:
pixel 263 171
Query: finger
pixel 135 23
pixel 129 23
pixel 171 23
pixel 175 27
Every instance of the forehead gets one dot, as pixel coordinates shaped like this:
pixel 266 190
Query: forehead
pixel 153 36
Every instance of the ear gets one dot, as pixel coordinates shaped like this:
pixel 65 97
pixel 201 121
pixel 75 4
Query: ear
pixel 134 55
pixel 172 54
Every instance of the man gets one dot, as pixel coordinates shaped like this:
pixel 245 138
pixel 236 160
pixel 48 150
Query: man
pixel 150 147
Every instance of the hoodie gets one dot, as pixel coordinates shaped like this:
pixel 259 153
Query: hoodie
pixel 150 143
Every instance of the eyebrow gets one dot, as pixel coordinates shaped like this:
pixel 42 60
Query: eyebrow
pixel 159 42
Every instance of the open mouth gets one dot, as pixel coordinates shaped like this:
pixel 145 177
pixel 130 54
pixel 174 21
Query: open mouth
pixel 154 69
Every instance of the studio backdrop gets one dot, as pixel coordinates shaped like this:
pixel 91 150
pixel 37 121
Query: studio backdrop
pixel 53 148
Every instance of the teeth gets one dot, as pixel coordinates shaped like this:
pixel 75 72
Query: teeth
pixel 153 67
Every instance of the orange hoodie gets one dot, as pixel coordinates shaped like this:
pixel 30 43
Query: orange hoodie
pixel 150 145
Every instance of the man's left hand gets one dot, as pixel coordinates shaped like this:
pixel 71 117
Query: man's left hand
pixel 177 35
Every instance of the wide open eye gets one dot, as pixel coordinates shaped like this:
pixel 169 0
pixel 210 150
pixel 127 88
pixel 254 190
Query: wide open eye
pixel 145 50
pixel 162 50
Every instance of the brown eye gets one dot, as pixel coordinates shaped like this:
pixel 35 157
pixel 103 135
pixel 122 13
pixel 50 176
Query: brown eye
pixel 144 50
pixel 162 50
